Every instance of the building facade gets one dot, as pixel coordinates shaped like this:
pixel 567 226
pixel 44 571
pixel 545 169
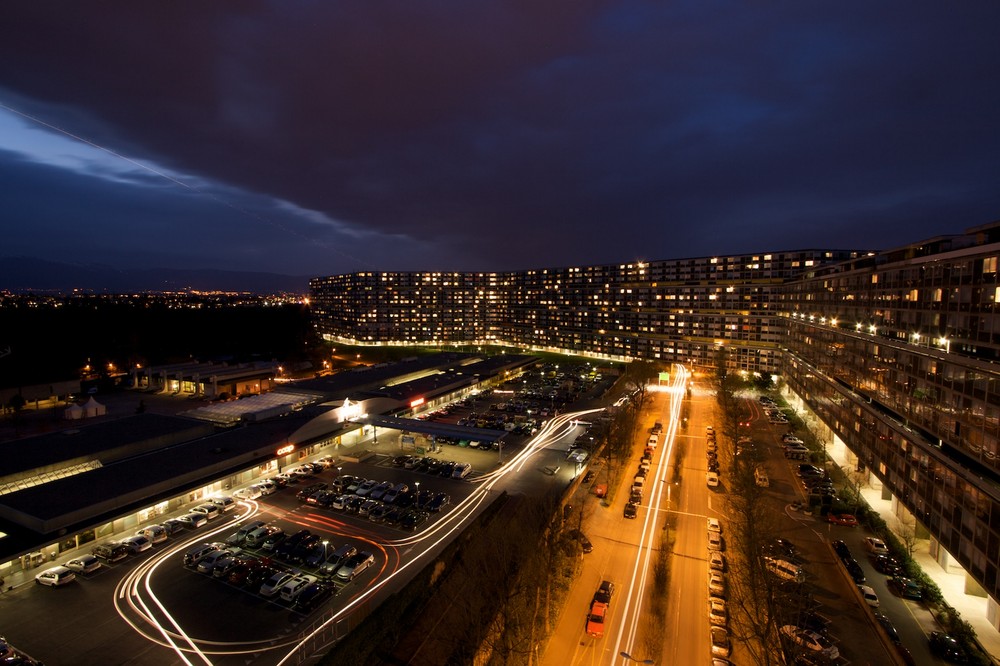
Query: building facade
pixel 897 354
pixel 667 311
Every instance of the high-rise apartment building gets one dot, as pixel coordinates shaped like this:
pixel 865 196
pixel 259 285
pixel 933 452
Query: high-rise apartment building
pixel 896 352
pixel 680 310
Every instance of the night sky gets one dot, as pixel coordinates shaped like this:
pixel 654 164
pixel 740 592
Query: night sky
pixel 323 137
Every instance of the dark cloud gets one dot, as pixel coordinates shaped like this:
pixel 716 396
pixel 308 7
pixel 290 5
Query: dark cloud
pixel 493 135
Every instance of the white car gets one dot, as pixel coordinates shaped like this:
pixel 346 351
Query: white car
pixel 248 493
pixel 714 541
pixel 717 614
pixel 193 519
pixel 293 587
pixel 810 640
pixel 714 525
pixel 275 583
pixel 875 546
pixel 208 509
pixel 267 487
pixel 355 565
pixel 720 642
pixel 712 479
pixel 137 543
pixel 716 584
pixel 84 564
pixel 55 576
pixel 365 488
pixel 869 595
pixel 717 561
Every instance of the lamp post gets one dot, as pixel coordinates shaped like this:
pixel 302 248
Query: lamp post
pixel 638 661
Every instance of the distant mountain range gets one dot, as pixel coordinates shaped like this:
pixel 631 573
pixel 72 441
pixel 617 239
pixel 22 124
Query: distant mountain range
pixel 21 274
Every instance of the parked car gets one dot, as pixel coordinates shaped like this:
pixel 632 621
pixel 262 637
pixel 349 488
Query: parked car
pixel 55 576
pixel 225 503
pixel 716 561
pixel 440 501
pixel 868 594
pixel 716 584
pixel 581 538
pixel 137 543
pixel 855 571
pixel 630 510
pixel 905 587
pixel 272 585
pixel 110 552
pixel 843 552
pixel 876 546
pixel 209 510
pixel 392 494
pixel 294 586
pixel 947 647
pixel 887 626
pixel 887 565
pixel 595 618
pixel 313 595
pixel 155 533
pixel 717 614
pixel 720 642
pixel 173 526
pixel 249 493
pixel 845 519
pixel 366 488
pixel 193 519
pixel 270 542
pixel 84 564
pixel 355 565
pixel 605 591
pixel 810 640
pixel 335 559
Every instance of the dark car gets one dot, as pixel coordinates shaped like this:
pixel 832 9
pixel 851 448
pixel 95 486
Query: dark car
pixel 886 625
pixel 905 587
pixel 605 592
pixel 630 510
pixel 440 501
pixel 784 548
pixel 412 519
pixel 887 565
pixel 947 647
pixel 843 552
pixel 582 539
pixel 394 516
pixel 284 549
pixel 855 570
pixel 304 548
pixel 423 498
pixel 308 493
pixel 446 469
pixel 313 595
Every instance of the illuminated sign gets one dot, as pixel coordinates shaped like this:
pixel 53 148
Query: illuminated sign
pixel 285 450
pixel 417 402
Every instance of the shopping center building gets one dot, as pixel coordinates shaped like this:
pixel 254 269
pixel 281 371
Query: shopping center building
pixel 891 355
pixel 92 480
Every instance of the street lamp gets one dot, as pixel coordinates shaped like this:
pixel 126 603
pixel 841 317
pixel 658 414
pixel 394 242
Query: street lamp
pixel 638 661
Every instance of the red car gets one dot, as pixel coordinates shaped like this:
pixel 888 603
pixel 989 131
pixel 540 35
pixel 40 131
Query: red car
pixel 845 519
